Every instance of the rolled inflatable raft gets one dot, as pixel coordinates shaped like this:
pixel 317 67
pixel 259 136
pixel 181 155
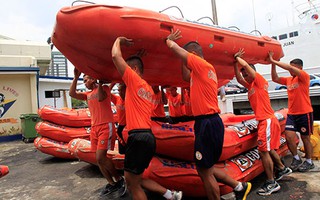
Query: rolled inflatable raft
pixel 61 133
pixel 52 147
pixel 85 35
pixel 4 170
pixel 81 149
pixel 66 117
pixel 183 176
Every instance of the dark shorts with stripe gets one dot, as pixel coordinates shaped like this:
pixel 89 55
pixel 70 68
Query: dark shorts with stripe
pixel 140 148
pixel 300 123
pixel 209 135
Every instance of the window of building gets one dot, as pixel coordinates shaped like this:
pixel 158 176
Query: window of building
pixel 293 34
pixel 52 94
pixel 283 36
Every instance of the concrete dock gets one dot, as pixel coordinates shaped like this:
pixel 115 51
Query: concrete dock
pixel 34 175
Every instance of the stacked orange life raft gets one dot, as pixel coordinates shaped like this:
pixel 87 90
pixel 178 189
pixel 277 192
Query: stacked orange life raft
pixel 183 176
pixel 59 127
pixel 176 140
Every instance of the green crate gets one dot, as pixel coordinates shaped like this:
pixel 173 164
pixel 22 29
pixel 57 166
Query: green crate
pixel 28 122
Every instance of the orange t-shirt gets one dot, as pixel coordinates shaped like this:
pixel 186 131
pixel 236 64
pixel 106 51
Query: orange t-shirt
pixel 187 105
pixel 259 98
pixel 121 109
pixel 138 101
pixel 203 86
pixel 100 111
pixel 157 106
pixel 298 93
pixel 175 107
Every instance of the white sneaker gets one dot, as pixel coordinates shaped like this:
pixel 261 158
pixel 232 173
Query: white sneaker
pixel 176 195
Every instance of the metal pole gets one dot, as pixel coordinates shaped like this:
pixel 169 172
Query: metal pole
pixel 214 12
pixel 254 16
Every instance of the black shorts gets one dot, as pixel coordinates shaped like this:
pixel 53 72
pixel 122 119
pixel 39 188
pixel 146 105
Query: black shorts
pixel 141 147
pixel 122 147
pixel 209 135
pixel 300 123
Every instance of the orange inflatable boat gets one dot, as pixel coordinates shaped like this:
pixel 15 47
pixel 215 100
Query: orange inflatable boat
pixel 183 176
pixel 85 35
pixel 61 133
pixel 66 117
pixel 177 140
pixel 4 170
pixel 54 148
pixel 81 149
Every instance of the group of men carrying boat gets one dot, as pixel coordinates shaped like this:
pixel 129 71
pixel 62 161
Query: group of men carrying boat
pixel 208 128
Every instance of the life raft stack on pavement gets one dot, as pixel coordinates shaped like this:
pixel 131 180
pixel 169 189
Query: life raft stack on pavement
pixel 83 34
pixel 59 127
pixel 182 175
pixel 177 140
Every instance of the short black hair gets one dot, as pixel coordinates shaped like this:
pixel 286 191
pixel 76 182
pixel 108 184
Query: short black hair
pixel 297 61
pixel 251 65
pixel 194 46
pixel 135 60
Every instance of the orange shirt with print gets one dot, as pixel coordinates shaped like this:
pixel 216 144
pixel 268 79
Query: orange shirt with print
pixel 203 86
pixel 121 111
pixel 298 93
pixel 157 106
pixel 138 101
pixel 259 98
pixel 175 107
pixel 100 111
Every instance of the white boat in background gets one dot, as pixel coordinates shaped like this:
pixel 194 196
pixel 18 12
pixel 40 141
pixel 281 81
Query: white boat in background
pixel 301 40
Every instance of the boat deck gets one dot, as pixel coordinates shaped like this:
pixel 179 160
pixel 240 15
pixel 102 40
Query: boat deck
pixel 35 175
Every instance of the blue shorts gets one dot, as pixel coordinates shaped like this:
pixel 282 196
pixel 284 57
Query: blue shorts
pixel 300 123
pixel 209 135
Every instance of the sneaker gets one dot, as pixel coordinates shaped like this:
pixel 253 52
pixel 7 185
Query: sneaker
pixel 268 188
pixel 280 173
pixel 242 195
pixel 119 186
pixel 176 195
pixel 106 189
pixel 295 164
pixel 306 166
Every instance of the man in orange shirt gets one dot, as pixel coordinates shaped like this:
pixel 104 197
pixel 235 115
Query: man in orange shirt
pixel 175 103
pixel 185 99
pixel 141 143
pixel 268 128
pixel 300 114
pixel 102 134
pixel 121 111
pixel 208 127
pixel 159 100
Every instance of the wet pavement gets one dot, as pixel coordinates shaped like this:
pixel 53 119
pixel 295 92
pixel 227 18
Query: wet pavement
pixel 35 175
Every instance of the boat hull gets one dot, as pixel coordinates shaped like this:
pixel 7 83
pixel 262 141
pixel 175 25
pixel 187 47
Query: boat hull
pixel 85 35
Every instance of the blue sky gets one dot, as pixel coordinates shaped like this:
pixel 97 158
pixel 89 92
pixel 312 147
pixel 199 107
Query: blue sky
pixel 34 19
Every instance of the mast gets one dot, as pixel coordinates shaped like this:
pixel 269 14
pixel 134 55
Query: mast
pixel 214 12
